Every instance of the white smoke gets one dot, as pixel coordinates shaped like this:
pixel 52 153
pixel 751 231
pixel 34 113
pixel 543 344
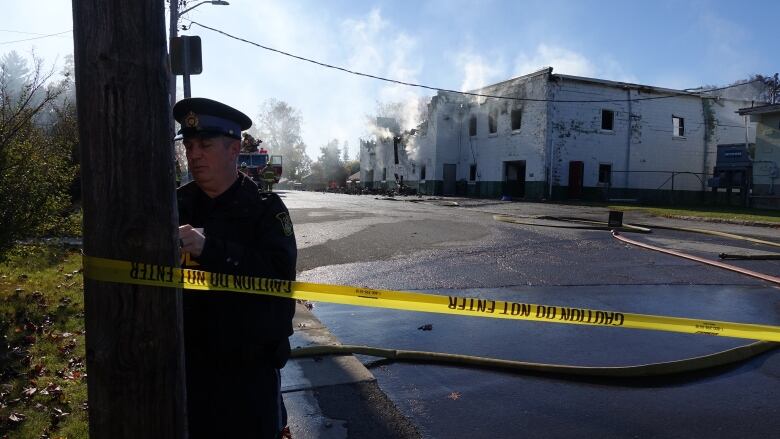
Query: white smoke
pixel 412 147
pixel 381 133
pixel 400 118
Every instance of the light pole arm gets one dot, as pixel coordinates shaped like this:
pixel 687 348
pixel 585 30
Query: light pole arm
pixel 213 2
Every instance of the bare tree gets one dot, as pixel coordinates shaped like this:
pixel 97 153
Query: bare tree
pixel 771 88
pixel 758 87
pixel 36 150
pixel 279 127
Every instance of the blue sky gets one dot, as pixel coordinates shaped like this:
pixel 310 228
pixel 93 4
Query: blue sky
pixel 446 43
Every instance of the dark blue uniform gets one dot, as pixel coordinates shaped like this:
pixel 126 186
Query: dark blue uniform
pixel 236 343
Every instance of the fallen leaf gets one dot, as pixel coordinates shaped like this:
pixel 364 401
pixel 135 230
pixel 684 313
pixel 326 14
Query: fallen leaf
pixel 67 347
pixel 76 363
pixel 426 327
pixel 59 413
pixel 52 389
pixel 30 391
pixel 37 370
pixel 454 396
pixel 17 417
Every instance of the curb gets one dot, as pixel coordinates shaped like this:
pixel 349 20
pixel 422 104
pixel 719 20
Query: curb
pixel 301 378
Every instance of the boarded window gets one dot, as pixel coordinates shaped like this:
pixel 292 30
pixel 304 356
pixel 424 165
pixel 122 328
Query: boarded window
pixel 473 125
pixel 607 120
pixel 678 126
pixel 384 174
pixel 517 118
pixel 422 172
pixel 472 172
pixel 605 173
pixel 493 121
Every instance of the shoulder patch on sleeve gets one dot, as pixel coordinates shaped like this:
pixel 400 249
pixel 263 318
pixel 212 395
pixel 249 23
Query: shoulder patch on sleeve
pixel 287 225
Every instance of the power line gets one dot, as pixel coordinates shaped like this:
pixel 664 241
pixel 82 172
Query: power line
pixel 36 38
pixel 20 32
pixel 427 87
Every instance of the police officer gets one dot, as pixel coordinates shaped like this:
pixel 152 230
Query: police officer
pixel 235 343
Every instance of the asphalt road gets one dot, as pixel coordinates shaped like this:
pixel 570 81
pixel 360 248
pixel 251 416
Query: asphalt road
pixel 435 246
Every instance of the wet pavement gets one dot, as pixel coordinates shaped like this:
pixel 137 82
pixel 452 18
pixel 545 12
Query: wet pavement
pixel 443 249
pixel 448 401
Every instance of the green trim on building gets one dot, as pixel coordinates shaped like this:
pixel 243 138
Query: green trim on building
pixel 649 196
pixel 537 190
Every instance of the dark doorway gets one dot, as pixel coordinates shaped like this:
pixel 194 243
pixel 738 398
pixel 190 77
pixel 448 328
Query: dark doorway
pixel 449 179
pixel 576 172
pixel 369 183
pixel 514 176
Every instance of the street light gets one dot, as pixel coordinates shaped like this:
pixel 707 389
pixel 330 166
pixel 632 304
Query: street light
pixel 213 2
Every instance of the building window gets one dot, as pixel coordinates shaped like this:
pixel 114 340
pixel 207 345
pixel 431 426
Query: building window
pixel 473 125
pixel 607 120
pixel 493 121
pixel 678 126
pixel 472 172
pixel 422 172
pixel 517 117
pixel 384 174
pixel 605 173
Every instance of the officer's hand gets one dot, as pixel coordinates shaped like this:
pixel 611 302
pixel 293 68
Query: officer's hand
pixel 191 240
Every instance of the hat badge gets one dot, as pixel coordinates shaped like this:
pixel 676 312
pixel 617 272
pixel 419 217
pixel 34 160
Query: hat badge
pixel 191 120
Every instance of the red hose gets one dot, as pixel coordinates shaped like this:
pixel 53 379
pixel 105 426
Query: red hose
pixel 762 276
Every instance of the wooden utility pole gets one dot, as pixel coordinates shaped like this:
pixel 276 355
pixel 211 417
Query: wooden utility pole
pixel 135 362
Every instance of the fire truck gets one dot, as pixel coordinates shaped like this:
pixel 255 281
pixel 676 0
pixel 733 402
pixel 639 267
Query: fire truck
pixel 262 168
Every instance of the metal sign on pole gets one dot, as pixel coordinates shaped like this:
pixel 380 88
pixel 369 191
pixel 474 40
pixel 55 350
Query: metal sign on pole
pixel 186 59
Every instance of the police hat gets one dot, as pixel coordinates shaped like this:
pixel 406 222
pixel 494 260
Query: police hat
pixel 206 117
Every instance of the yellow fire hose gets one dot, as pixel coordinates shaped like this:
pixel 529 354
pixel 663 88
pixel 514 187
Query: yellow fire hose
pixel 723 358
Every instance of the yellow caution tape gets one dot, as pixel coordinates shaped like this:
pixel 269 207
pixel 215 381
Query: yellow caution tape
pixel 110 270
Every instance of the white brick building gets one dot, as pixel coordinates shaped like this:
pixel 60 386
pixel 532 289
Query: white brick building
pixel 562 137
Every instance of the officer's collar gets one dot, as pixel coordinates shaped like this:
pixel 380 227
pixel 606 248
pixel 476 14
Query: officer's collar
pixel 231 192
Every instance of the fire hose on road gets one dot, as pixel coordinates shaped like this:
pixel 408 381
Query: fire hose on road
pixel 718 359
pixel 723 358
